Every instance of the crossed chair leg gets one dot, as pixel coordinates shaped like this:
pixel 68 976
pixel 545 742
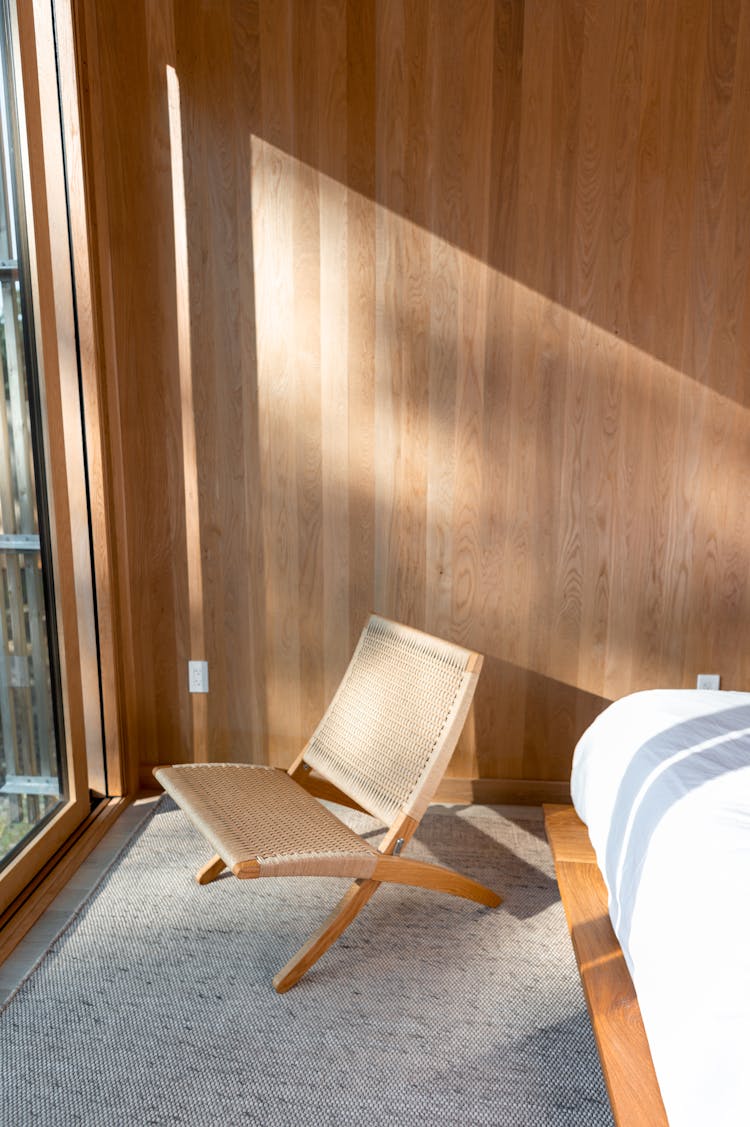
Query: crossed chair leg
pixel 388 869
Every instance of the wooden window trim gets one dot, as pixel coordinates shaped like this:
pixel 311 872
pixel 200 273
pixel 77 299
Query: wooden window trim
pixel 43 49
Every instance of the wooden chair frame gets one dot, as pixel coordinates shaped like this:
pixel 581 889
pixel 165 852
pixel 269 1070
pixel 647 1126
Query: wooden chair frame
pixel 371 867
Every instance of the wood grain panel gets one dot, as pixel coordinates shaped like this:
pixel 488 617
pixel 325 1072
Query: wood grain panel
pixel 102 415
pixel 306 327
pixel 469 302
pixel 273 180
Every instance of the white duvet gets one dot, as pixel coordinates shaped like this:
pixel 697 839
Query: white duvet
pixel 662 780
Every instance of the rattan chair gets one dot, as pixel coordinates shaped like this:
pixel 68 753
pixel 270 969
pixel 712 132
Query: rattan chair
pixel 381 747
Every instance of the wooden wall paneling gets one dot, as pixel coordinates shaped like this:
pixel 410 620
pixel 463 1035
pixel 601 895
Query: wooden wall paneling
pixel 362 223
pixel 247 683
pixel 584 43
pixel 712 125
pixel 534 453
pixel 191 638
pixel 653 416
pixel 628 647
pixel 475 48
pixel 468 295
pixel 217 127
pixel 704 352
pixel 161 431
pixel 198 144
pixel 500 701
pixel 390 141
pixel 117 657
pixel 306 329
pixel 443 207
pixel 611 91
pixel 664 154
pixel 335 629
pixel 116 55
pixel 273 177
pixel 406 329
pixel 730 361
pixel 106 776
pixel 361 230
pixel 476 44
pixel 731 264
pixel 562 404
pixel 517 581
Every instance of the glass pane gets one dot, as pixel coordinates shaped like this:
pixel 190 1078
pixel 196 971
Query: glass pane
pixel 31 779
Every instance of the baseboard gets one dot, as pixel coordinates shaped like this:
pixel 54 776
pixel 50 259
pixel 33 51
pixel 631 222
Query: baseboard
pixel 500 792
pixel 147 784
pixel 492 792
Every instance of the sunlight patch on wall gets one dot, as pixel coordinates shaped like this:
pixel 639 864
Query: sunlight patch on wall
pixel 538 483
pixel 189 452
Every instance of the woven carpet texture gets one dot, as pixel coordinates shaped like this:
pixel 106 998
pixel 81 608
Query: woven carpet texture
pixel 155 1006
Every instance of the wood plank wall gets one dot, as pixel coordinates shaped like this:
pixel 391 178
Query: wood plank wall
pixel 455 326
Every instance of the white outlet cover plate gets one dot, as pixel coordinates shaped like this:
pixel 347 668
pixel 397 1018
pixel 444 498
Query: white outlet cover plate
pixel 198 676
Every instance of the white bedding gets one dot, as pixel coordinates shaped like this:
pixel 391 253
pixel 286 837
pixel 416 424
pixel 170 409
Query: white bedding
pixel 662 780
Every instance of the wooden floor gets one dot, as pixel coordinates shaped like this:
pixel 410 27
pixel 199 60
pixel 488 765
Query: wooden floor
pixel 610 995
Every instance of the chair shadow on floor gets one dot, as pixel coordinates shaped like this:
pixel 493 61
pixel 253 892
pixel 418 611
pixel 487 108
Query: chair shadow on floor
pixel 455 841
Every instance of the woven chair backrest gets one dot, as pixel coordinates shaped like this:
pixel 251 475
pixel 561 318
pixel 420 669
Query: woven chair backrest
pixel 391 728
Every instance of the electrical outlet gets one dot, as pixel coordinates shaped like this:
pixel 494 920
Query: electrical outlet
pixel 708 681
pixel 198 676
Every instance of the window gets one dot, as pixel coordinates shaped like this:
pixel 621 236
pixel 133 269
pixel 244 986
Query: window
pixel 50 716
pixel 32 775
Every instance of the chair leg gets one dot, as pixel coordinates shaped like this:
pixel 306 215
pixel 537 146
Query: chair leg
pixel 423 874
pixel 336 923
pixel 210 870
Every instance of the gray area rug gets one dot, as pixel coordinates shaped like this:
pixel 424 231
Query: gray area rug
pixel 156 1005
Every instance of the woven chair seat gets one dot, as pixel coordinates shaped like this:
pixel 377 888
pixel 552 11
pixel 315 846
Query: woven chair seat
pixel 253 813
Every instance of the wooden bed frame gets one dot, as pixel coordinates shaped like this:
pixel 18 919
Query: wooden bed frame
pixel 610 995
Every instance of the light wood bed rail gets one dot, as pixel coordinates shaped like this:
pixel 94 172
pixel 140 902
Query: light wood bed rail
pixel 610 995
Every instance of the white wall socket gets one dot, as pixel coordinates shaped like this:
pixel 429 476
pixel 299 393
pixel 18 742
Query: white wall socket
pixel 708 681
pixel 198 676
